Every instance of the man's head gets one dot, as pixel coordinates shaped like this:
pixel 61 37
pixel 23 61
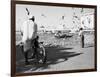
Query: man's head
pixel 32 18
pixel 81 29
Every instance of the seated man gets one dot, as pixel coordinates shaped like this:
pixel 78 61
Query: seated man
pixel 35 45
pixel 35 42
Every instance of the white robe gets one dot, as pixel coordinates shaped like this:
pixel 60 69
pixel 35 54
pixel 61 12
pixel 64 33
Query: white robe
pixel 29 29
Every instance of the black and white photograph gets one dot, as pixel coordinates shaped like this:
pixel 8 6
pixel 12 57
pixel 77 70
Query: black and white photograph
pixel 54 38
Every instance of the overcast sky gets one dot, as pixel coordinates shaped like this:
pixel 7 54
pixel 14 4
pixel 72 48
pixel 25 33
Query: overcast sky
pixel 49 16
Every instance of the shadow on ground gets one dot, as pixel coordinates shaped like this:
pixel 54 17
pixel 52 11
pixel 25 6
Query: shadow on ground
pixel 55 55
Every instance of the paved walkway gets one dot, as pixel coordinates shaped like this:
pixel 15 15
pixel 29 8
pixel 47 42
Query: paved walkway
pixel 69 58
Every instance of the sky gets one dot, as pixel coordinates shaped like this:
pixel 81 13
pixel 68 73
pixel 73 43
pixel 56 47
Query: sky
pixel 51 17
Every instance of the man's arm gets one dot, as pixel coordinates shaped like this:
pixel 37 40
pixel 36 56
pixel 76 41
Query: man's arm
pixel 34 31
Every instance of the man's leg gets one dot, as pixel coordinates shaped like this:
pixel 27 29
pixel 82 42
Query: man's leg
pixel 33 54
pixel 36 53
pixel 82 41
pixel 26 57
pixel 34 48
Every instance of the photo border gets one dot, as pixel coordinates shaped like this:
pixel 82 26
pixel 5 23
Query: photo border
pixel 13 37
